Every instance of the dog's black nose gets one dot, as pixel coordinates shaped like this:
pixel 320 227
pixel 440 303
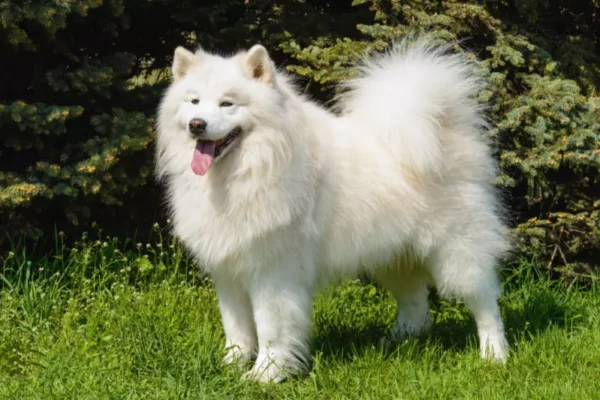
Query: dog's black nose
pixel 197 126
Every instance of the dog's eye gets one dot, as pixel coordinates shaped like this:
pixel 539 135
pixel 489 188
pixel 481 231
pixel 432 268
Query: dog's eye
pixel 195 101
pixel 225 104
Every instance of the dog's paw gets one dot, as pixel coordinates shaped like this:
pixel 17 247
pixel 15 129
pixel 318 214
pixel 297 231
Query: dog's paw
pixel 269 374
pixel 404 329
pixel 237 356
pixel 271 368
pixel 495 349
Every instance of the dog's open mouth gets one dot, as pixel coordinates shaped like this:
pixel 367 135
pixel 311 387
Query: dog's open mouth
pixel 207 151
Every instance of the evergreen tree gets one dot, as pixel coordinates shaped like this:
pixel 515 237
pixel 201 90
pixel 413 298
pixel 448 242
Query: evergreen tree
pixel 543 104
pixel 78 94
pixel 81 81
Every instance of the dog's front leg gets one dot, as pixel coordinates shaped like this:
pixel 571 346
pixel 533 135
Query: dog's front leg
pixel 238 321
pixel 281 300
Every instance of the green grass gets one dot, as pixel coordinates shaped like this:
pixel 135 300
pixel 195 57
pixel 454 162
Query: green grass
pixel 127 321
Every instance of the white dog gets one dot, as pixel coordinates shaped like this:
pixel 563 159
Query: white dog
pixel 274 195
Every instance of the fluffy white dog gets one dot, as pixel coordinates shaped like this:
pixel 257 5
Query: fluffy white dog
pixel 274 195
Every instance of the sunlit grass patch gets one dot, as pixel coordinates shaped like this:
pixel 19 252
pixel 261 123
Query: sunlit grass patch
pixel 111 318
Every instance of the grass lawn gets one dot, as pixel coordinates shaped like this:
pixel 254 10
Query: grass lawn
pixel 100 321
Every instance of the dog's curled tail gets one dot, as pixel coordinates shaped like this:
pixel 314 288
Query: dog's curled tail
pixel 412 95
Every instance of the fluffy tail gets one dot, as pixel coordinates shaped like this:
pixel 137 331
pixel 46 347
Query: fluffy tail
pixel 410 97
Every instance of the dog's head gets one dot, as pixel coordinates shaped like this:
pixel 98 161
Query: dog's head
pixel 214 102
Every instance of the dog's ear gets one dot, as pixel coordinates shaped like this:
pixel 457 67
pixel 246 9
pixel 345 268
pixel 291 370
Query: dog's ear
pixel 259 64
pixel 182 62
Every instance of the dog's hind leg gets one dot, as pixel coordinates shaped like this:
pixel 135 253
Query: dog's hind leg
pixel 464 269
pixel 490 328
pixel 409 288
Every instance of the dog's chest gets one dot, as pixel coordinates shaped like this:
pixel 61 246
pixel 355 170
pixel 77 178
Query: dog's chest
pixel 221 226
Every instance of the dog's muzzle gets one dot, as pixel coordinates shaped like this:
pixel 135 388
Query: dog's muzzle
pixel 197 128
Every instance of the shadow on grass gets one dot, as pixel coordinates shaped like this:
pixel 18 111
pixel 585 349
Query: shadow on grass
pixel 526 314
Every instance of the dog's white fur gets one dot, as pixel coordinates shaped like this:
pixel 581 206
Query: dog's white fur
pixel 397 185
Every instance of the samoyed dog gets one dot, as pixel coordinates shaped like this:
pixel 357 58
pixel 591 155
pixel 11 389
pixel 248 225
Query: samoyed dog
pixel 274 195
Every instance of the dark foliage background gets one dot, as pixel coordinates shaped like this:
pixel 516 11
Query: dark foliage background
pixel 80 83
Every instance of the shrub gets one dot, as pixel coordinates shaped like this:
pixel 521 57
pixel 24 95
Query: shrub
pixel 545 112
pixel 81 82
pixel 79 86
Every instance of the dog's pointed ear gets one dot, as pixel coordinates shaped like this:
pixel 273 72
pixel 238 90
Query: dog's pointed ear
pixel 182 62
pixel 259 64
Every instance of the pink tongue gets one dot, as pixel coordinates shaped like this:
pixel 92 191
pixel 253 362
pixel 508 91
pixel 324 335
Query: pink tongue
pixel 204 154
